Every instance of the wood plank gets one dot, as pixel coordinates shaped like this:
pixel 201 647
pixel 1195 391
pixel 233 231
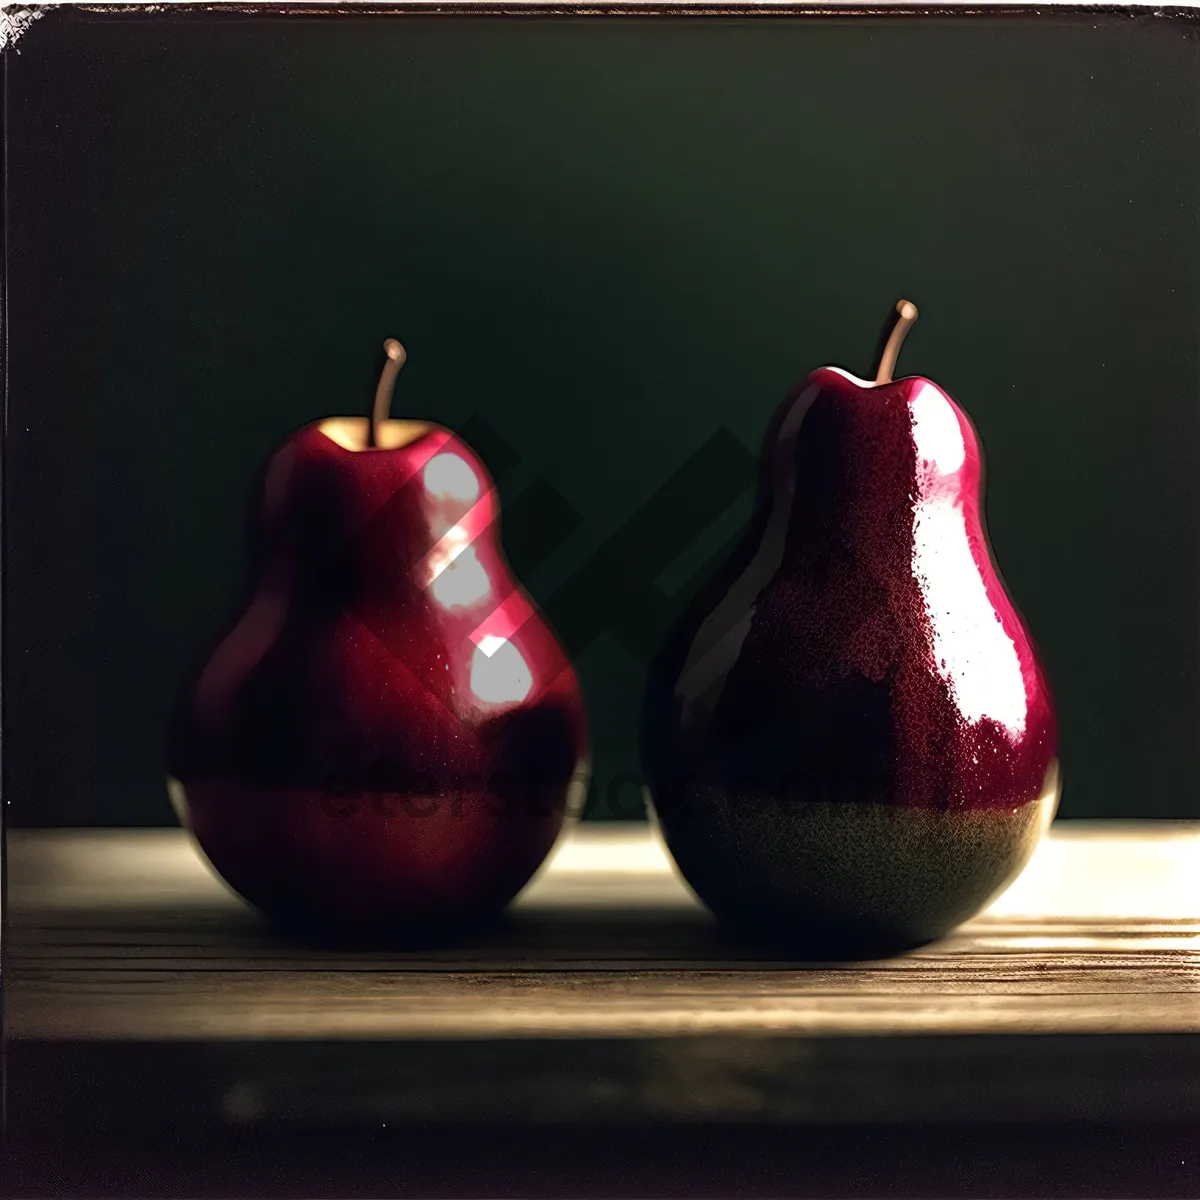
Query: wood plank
pixel 190 1005
pixel 129 935
pixel 608 994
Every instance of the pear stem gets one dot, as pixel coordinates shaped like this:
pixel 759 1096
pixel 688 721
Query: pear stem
pixel 396 354
pixel 906 314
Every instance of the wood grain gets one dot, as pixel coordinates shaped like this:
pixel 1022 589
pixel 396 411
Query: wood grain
pixel 607 992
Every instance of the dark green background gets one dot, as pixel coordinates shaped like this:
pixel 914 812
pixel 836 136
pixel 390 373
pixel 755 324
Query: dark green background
pixel 610 238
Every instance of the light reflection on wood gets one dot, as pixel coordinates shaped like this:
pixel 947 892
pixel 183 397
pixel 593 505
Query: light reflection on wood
pixel 119 934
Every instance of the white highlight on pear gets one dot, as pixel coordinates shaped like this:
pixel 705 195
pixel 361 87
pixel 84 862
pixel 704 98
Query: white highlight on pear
pixel 445 550
pixel 499 672
pixel 462 583
pixel 936 431
pixel 453 573
pixel 449 477
pixel 971 650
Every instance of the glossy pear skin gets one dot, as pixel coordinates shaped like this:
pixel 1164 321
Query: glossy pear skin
pixel 389 736
pixel 849 738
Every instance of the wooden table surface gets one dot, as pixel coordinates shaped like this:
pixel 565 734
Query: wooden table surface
pixel 140 990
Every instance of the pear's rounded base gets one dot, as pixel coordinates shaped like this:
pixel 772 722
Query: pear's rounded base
pixel 847 880
pixel 384 869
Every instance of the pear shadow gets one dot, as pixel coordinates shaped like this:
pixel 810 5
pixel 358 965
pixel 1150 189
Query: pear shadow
pixel 302 934
pixel 604 935
pixel 639 938
pixel 817 952
pixel 599 936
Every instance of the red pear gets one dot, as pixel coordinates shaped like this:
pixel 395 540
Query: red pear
pixel 388 737
pixel 849 739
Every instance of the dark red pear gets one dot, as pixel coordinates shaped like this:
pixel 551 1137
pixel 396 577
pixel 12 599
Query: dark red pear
pixel 388 737
pixel 849 739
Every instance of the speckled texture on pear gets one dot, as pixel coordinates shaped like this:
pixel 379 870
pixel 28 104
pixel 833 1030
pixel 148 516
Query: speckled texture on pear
pixel 854 696
pixel 853 877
